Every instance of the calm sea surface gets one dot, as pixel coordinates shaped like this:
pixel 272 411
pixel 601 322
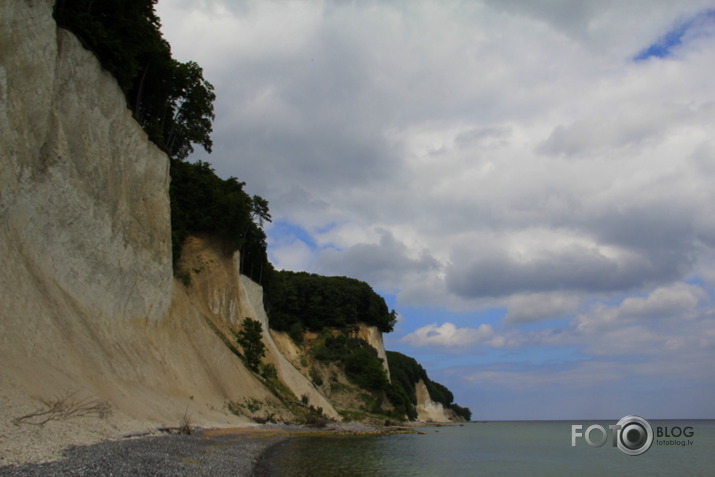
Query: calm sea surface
pixel 535 448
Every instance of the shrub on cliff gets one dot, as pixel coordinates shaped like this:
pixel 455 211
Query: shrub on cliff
pixel 462 412
pixel 405 372
pixel 250 339
pixel 365 369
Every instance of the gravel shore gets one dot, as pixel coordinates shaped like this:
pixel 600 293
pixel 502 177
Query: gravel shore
pixel 205 452
pixel 199 454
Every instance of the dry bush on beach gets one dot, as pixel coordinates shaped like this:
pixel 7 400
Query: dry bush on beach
pixel 65 407
pixel 185 423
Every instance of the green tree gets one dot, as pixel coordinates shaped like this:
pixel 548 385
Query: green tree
pixel 191 102
pixel 259 210
pixel 250 339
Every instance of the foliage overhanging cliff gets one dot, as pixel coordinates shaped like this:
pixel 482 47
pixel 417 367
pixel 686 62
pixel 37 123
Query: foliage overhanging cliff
pixel 174 105
pixel 171 100
pixel 204 204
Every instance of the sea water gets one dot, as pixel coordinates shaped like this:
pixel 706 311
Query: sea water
pixel 535 448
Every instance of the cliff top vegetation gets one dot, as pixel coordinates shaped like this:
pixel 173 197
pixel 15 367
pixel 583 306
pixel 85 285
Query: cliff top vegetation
pixel 171 100
pixel 300 301
pixel 203 203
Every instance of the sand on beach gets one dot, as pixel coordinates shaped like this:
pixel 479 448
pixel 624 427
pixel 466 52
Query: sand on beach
pixel 26 441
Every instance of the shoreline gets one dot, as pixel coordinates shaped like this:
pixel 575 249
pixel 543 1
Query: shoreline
pixel 199 453
pixel 262 465
pixel 216 451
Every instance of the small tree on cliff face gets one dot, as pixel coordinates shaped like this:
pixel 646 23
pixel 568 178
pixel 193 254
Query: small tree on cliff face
pixel 251 342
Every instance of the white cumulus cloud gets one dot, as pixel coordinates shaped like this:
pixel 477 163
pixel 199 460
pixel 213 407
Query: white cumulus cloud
pixel 448 335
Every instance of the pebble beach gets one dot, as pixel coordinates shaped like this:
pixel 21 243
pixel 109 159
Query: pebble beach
pixel 204 452
pixel 198 454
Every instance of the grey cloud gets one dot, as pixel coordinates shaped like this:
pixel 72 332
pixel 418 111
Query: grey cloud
pixel 618 129
pixel 703 157
pixel 661 227
pixel 483 136
pixel 381 264
pixel 564 14
pixel 574 269
pixel 532 308
pixel 303 119
pixel 313 128
pixel 659 236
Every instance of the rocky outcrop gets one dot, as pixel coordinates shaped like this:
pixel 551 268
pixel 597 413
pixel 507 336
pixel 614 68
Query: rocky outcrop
pixel 373 337
pixel 427 409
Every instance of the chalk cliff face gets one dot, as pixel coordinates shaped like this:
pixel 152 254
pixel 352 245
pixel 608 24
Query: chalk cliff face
pixel 373 337
pixel 89 305
pixel 84 194
pixel 429 410
pixel 84 213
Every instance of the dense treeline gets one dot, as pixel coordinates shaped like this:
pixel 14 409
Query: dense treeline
pixel 171 100
pixel 203 203
pixel 405 372
pixel 299 301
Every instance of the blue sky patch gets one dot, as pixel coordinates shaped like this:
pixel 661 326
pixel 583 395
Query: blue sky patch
pixel 281 232
pixel 674 38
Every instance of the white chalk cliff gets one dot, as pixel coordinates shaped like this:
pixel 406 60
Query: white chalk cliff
pixel 429 410
pixel 88 301
pixel 89 306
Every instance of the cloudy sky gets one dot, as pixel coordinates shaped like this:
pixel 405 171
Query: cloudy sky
pixel 529 183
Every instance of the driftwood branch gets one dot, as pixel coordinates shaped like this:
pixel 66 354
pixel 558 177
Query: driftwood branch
pixel 63 408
